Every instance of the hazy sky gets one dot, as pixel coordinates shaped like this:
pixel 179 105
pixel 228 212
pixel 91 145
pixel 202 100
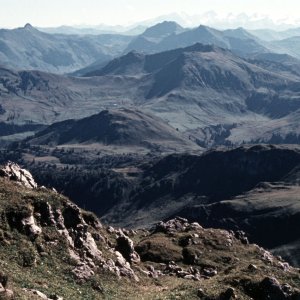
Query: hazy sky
pixel 15 13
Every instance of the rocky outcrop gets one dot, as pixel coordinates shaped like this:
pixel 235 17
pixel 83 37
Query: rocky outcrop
pixel 175 225
pixel 25 221
pixel 82 247
pixel 30 226
pixel 14 172
pixel 123 267
pixel 126 248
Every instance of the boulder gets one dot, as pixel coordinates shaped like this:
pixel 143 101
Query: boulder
pixel 30 227
pixel 46 213
pixel 126 248
pixel 72 216
pixel 271 289
pixel 83 272
pixel 124 267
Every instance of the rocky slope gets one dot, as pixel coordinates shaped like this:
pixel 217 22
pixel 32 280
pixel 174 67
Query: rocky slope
pixel 51 249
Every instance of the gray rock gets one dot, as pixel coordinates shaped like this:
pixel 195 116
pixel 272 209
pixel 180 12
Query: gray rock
pixel 14 172
pixel 209 272
pixel 126 248
pixel 30 226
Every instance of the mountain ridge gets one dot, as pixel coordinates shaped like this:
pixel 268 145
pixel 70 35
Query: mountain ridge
pixel 28 48
pixel 123 127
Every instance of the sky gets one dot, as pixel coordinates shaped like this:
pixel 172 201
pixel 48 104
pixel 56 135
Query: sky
pixel 48 13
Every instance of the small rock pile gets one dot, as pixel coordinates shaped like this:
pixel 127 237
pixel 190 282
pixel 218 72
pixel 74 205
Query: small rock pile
pixel 176 225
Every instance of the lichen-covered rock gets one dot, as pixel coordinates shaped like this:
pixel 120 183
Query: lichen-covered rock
pixel 14 172
pixel 124 267
pixel 126 248
pixel 46 214
pixel 83 272
pixel 30 227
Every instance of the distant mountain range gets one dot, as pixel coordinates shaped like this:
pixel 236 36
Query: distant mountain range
pixel 199 90
pixel 30 49
pixel 272 35
pixel 94 30
pixel 208 18
pixel 169 35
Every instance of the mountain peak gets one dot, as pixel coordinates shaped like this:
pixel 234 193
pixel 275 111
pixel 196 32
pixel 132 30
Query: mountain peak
pixel 28 26
pixel 163 28
pixel 203 27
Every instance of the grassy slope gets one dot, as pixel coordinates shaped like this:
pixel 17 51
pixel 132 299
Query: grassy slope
pixel 49 271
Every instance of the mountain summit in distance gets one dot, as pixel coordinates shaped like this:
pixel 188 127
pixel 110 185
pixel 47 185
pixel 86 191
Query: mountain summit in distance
pixel 163 29
pixel 28 48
